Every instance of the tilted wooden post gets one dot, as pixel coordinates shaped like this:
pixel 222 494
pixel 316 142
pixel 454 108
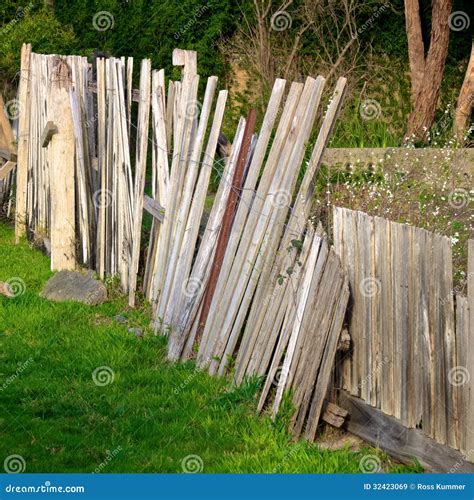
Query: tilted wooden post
pixel 23 133
pixel 62 174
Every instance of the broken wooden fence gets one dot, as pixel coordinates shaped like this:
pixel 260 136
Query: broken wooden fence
pixel 412 343
pixel 260 292
pixel 252 285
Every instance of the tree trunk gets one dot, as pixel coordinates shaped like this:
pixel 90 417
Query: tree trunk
pixel 416 49
pixel 425 90
pixel 466 96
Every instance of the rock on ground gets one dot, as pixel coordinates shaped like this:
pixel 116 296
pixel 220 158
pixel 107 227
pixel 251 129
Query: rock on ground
pixel 76 286
pixel 5 290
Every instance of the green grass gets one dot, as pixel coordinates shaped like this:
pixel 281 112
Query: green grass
pixel 153 414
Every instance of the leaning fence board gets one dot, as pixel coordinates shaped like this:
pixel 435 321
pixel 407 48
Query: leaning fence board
pixel 214 336
pixel 227 219
pixel 100 195
pixel 176 265
pixel 327 362
pixel 307 286
pixel 313 346
pixel 280 203
pixel 262 327
pixel 63 236
pixel 310 353
pixel 253 171
pixel 23 143
pixel 6 169
pixel 194 285
pixel 140 172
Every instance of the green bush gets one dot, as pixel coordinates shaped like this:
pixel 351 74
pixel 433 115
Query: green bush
pixel 42 30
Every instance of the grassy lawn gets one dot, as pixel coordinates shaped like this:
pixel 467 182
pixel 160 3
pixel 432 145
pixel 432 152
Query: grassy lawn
pixel 150 417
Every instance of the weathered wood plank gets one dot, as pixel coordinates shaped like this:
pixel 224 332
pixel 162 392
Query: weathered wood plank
pixel 6 169
pixel 469 428
pixel 153 208
pixel 385 324
pixel 23 144
pixel 62 147
pixel 277 206
pixel 49 130
pixel 233 260
pixel 140 173
pixel 387 433
pixel 460 375
pixel 327 362
pixel 334 415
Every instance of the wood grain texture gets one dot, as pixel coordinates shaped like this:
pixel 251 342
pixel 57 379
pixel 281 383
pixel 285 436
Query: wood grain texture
pixel 23 144
pixel 62 186
pixel 404 444
pixel 468 424
pixel 405 347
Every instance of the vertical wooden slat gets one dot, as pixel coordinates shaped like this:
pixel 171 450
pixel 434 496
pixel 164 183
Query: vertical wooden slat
pixel 448 333
pixel 427 344
pixel 63 235
pixel 415 329
pixel 23 143
pixel 469 428
pixel 385 323
pixel 438 376
pixel 140 173
pixel 101 196
pixel 464 419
